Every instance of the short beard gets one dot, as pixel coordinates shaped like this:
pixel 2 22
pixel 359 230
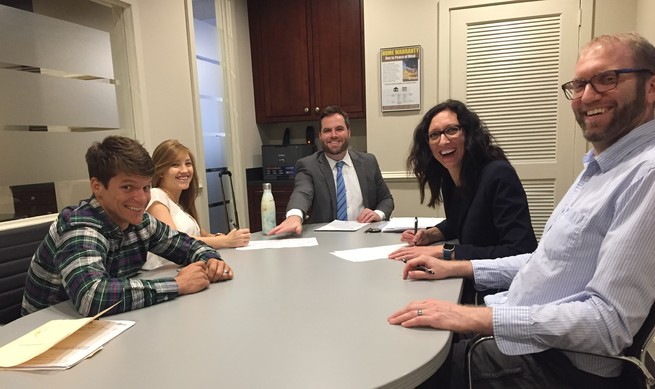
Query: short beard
pixel 623 120
pixel 344 147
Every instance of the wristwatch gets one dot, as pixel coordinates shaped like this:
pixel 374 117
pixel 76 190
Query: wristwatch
pixel 448 250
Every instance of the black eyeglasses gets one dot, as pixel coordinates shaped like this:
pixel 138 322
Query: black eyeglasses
pixel 449 131
pixel 601 82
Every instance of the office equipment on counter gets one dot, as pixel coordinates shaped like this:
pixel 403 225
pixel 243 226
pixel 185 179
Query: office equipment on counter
pixel 279 161
pixel 310 138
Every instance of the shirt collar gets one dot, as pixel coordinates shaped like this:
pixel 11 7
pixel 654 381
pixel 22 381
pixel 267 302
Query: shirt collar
pixel 346 160
pixel 623 148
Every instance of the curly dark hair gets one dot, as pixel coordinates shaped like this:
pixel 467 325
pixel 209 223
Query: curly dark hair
pixel 479 150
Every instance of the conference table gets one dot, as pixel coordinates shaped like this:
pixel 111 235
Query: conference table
pixel 291 318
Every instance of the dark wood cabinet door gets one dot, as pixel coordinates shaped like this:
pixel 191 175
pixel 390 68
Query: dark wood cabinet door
pixel 280 45
pixel 338 55
pixel 306 55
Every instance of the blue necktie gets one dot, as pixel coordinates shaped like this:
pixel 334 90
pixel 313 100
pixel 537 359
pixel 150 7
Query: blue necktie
pixel 342 206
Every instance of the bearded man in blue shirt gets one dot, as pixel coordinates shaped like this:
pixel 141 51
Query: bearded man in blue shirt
pixel 588 286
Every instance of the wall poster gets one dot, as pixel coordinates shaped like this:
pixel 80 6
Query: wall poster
pixel 400 73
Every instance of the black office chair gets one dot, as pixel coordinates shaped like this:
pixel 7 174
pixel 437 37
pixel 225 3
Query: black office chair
pixel 16 249
pixel 635 355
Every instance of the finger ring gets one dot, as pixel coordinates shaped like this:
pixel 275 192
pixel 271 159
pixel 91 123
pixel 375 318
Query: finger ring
pixel 420 312
pixel 226 272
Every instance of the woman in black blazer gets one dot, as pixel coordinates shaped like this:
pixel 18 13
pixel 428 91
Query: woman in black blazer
pixel 486 207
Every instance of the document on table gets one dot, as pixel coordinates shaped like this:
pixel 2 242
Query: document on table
pixel 279 243
pixel 368 253
pixel 342 225
pixel 75 348
pixel 60 344
pixel 400 224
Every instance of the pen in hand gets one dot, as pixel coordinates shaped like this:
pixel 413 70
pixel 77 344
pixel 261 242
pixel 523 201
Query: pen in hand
pixel 420 267
pixel 415 225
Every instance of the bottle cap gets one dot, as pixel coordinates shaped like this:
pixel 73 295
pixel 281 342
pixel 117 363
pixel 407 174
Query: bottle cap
pixel 266 185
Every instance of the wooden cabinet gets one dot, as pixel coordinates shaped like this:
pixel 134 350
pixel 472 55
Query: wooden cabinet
pixel 281 192
pixel 306 55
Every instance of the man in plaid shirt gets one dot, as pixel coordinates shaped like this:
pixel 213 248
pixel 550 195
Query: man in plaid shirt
pixel 92 251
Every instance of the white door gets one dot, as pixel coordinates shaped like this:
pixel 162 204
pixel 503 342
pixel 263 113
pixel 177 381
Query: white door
pixel 507 62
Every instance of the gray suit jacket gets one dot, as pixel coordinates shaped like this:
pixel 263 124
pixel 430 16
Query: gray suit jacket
pixel 314 191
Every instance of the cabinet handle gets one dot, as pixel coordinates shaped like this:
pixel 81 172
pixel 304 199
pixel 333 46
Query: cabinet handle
pixel 317 110
pixel 306 109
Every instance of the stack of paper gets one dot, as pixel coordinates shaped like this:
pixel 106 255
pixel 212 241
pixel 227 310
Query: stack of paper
pixel 342 225
pixel 400 224
pixel 279 243
pixel 60 344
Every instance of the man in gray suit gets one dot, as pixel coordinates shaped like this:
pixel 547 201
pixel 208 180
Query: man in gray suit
pixel 314 196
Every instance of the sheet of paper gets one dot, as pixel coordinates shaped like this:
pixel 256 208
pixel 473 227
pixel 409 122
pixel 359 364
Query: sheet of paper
pixel 279 243
pixel 400 224
pixel 368 253
pixel 41 339
pixel 342 225
pixel 77 347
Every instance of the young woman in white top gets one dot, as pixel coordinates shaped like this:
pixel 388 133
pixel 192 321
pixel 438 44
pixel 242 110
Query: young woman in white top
pixel 173 198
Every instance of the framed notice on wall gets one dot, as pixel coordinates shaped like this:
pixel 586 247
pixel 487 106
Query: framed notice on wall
pixel 400 74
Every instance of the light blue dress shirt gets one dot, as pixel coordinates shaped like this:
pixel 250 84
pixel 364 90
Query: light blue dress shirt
pixel 590 283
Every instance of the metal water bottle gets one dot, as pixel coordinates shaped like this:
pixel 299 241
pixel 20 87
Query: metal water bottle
pixel 268 209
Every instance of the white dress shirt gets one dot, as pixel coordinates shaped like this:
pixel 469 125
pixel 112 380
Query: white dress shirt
pixel 354 198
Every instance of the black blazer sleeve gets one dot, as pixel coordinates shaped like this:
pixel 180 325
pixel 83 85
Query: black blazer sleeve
pixel 497 223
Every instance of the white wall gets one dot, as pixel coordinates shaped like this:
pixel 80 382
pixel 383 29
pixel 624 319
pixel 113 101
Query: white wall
pixel 611 16
pixel 391 23
pixel 645 25
pixel 242 134
pixel 165 99
pixel 163 54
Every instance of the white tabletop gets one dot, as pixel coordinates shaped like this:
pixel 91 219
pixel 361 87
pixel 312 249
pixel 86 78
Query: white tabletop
pixel 290 318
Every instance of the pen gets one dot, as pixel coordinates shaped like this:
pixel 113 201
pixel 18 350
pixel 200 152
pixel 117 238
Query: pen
pixel 423 268
pixel 420 267
pixel 415 225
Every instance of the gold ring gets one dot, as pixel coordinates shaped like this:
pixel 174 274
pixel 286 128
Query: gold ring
pixel 226 272
pixel 420 312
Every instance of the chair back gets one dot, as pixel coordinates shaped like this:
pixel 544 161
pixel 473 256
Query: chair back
pixel 17 246
pixel 643 337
